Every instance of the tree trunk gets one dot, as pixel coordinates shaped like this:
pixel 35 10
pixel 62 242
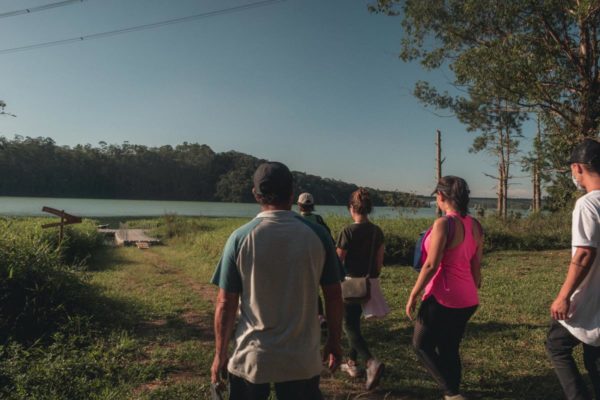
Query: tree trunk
pixel 535 170
pixel 499 192
pixel 506 173
pixel 536 205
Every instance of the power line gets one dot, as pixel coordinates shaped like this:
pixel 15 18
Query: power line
pixel 39 8
pixel 142 27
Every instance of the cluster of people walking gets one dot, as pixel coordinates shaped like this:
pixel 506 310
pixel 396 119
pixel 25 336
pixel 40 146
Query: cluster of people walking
pixel 272 267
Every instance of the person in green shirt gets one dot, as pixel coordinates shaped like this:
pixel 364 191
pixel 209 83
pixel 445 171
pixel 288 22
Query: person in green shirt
pixel 306 205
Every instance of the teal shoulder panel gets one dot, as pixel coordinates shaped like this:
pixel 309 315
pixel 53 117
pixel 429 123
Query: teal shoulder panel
pixel 227 275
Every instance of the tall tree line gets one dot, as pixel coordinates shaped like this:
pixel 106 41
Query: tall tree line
pixel 189 171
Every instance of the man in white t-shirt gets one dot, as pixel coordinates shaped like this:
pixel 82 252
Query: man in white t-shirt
pixel 576 309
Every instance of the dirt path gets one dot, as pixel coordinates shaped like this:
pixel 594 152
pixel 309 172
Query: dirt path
pixel 197 325
pixel 189 325
pixel 204 290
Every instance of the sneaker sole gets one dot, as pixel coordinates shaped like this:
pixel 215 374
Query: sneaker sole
pixel 377 377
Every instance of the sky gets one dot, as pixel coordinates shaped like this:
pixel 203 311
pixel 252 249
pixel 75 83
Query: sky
pixel 315 84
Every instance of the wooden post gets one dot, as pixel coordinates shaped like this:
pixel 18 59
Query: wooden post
pixel 65 219
pixel 62 229
pixel 438 162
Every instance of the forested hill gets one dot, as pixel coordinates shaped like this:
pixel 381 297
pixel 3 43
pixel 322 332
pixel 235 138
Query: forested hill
pixel 189 171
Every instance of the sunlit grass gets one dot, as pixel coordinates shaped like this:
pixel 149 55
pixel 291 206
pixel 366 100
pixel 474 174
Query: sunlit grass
pixel 150 333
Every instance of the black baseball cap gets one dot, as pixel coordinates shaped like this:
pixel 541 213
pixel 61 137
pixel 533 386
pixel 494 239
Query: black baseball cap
pixel 273 178
pixel 586 152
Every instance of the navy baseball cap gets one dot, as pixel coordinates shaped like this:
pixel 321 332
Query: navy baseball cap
pixel 586 152
pixel 273 178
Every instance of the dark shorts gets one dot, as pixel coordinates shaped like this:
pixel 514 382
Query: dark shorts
pixel 241 389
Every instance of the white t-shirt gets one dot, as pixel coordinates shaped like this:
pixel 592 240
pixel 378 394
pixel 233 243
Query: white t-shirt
pixel 584 314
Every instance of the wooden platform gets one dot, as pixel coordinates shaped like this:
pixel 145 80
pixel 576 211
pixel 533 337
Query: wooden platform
pixel 130 237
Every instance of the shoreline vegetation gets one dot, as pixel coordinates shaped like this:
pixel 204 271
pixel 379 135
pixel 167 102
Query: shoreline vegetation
pixel 91 321
pixel 187 172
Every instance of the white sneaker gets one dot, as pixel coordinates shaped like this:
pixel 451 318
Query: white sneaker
pixel 375 369
pixel 350 368
pixel 455 397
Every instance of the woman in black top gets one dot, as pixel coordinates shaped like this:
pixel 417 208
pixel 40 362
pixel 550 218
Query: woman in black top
pixel 360 248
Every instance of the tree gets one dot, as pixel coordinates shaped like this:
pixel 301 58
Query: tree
pixel 499 126
pixel 535 162
pixel 537 55
pixel 499 129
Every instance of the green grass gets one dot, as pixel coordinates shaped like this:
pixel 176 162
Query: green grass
pixel 503 350
pixel 146 329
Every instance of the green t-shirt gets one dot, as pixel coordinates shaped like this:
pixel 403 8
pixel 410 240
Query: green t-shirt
pixel 316 219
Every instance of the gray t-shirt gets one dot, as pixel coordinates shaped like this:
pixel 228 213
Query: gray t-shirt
pixel 276 263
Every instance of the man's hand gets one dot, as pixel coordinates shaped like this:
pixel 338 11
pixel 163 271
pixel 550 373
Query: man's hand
pixel 332 354
pixel 218 368
pixel 559 310
pixel 334 307
pixel 225 311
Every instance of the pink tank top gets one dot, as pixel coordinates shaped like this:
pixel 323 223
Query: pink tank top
pixel 453 285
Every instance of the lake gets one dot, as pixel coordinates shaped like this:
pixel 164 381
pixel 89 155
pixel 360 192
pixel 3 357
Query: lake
pixel 32 206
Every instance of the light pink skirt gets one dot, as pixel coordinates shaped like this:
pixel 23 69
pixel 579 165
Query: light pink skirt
pixel 376 307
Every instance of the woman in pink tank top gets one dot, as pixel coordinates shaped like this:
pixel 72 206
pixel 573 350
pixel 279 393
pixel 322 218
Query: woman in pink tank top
pixel 449 280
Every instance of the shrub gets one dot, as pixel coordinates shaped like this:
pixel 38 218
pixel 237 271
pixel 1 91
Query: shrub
pixel 536 232
pixel 38 289
pixel 73 366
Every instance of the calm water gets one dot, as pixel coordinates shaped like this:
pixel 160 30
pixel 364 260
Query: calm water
pixel 32 206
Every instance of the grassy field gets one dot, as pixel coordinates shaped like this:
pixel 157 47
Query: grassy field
pixel 149 335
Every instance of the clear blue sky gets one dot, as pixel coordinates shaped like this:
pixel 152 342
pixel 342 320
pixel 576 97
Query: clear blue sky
pixel 314 84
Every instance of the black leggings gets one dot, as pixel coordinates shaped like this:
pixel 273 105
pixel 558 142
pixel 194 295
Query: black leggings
pixel 356 341
pixel 437 336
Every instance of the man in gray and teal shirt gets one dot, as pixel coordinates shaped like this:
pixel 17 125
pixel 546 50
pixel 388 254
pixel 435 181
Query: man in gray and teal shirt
pixel 273 267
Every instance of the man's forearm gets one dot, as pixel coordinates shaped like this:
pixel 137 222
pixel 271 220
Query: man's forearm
pixel 580 265
pixel 575 275
pixel 225 313
pixel 334 309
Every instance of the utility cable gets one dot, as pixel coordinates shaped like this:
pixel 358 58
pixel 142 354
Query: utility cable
pixel 142 27
pixel 39 8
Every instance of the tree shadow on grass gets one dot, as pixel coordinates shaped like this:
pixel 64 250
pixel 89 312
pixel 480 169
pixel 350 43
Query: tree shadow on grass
pixel 107 259
pixel 189 326
pixel 532 387
pixel 484 328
